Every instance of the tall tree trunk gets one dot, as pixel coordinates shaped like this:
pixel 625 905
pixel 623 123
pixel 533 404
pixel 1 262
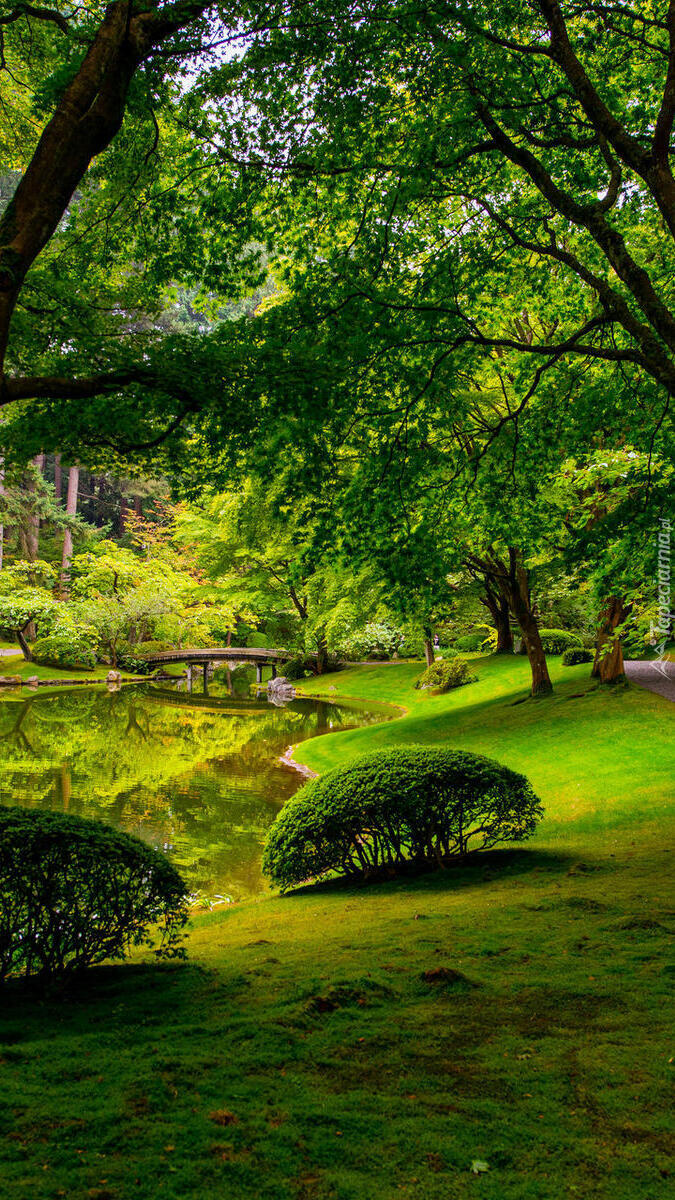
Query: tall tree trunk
pixel 498 608
pixel 71 510
pixel 321 654
pixel 514 586
pixel 2 493
pixel 504 632
pixel 58 477
pixel 32 542
pixel 608 662
pixel 428 645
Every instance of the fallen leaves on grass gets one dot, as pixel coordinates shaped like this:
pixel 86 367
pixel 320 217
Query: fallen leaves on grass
pixel 223 1116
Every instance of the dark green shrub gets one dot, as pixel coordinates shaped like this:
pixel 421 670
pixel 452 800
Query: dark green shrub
pixel 74 893
pixel 133 664
pixel 295 669
pixel 63 650
pixel 155 647
pixel 417 804
pixel 577 654
pixel 470 642
pixel 446 673
pixel 556 641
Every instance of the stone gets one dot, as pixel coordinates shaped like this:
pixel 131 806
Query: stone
pixel 279 690
pixel 32 681
pixel 113 677
pixel 10 680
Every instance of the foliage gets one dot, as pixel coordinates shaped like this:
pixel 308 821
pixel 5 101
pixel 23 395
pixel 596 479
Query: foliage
pixel 381 810
pixel 295 669
pixel 75 892
pixel 575 655
pixel 470 642
pixel 60 650
pixel 375 639
pixel 446 673
pixel 556 641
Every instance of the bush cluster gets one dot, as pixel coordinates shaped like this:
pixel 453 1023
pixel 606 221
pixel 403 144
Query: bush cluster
pixel 446 673
pixel 376 640
pixel 577 654
pixel 556 641
pixel 75 892
pixel 63 650
pixel 470 642
pixel 418 804
pixel 295 669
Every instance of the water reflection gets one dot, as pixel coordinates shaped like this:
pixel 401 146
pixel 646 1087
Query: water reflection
pixel 196 775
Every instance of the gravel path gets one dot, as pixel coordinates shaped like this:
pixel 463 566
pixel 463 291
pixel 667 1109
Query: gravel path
pixel 9 650
pixel 655 676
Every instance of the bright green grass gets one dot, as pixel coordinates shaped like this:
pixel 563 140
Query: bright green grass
pixel 601 759
pixel 301 1055
pixel 15 664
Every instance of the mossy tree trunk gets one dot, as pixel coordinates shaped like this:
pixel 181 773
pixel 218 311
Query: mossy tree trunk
pixel 608 662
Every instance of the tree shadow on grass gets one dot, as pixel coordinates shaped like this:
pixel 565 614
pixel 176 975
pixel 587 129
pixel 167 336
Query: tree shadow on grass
pixel 477 869
pixel 113 995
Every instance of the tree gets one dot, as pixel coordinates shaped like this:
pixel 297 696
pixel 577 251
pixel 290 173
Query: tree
pixel 516 142
pixel 71 510
pixel 610 502
pixel 79 323
pixel 26 598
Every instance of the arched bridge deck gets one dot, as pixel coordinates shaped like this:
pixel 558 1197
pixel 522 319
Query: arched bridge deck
pixel 260 656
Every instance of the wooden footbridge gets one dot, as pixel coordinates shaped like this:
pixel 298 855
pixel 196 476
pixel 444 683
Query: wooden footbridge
pixel 223 654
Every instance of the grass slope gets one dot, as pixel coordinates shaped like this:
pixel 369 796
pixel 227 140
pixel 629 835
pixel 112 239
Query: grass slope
pixel 600 758
pixel 366 1044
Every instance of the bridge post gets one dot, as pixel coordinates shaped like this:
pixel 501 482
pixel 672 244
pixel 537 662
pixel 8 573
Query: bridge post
pixel 274 670
pixel 258 672
pixel 206 678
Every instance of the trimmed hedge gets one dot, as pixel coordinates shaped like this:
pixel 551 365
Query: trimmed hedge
pixel 75 892
pixel 577 654
pixel 445 674
pixel 61 651
pixel 470 642
pixel 556 641
pixel 418 804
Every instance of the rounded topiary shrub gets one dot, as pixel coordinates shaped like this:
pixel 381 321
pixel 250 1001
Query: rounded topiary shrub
pixel 59 650
pixel 445 674
pixel 75 892
pixel 470 642
pixel 575 655
pixel 556 641
pixel 385 809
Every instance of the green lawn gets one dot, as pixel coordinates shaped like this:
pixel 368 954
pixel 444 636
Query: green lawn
pixel 372 1043
pixel 15 664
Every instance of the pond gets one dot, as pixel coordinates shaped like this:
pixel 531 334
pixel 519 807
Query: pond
pixel 196 776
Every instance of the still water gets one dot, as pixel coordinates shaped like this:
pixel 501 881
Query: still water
pixel 196 776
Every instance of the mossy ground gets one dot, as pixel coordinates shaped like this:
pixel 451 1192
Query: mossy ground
pixel 375 1042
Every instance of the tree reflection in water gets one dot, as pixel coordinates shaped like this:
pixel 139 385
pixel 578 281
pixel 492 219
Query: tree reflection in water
pixel 197 776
